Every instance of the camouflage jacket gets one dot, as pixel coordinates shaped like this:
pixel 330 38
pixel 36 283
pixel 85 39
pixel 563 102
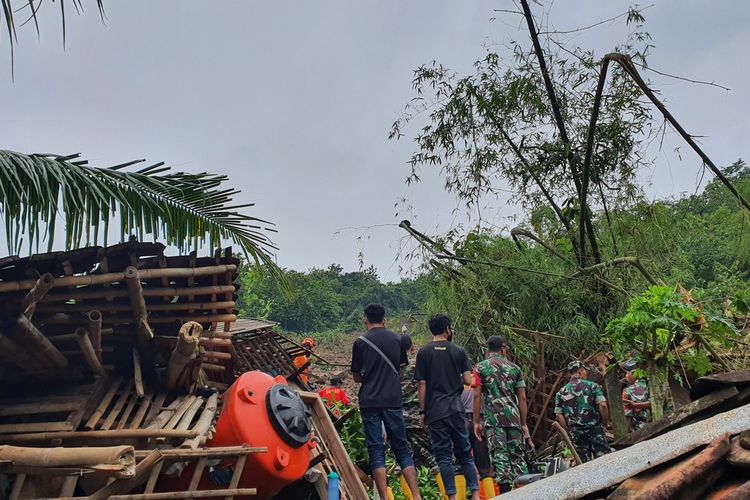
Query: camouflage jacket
pixel 410 397
pixel 638 393
pixel 500 379
pixel 578 402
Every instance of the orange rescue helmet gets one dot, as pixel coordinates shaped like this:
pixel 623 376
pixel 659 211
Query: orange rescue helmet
pixel 309 342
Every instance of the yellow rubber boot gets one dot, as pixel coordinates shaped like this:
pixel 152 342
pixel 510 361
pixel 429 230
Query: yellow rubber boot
pixel 460 486
pixel 405 487
pixel 440 485
pixel 487 488
pixel 390 493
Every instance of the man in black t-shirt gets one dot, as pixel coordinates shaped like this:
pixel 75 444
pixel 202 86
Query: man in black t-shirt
pixel 376 360
pixel 442 370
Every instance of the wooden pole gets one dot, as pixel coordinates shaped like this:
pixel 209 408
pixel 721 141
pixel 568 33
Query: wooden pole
pixel 111 319
pixel 84 342
pixel 137 374
pixel 120 460
pixel 108 294
pixel 103 405
pixel 195 306
pixel 29 335
pixel 187 418
pixel 568 442
pixel 217 452
pixel 204 423
pixel 36 294
pixel 184 351
pixel 94 318
pixel 99 435
pixel 106 278
pixel 135 293
pixel 188 494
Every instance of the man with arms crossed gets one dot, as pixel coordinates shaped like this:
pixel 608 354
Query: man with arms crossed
pixel 376 356
pixel 442 370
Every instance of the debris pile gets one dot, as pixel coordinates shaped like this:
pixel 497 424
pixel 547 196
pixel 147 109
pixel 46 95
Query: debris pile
pixel 114 360
pixel 701 450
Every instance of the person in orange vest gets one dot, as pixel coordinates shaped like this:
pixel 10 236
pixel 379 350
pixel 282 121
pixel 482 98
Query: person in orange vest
pixel 300 361
pixel 333 395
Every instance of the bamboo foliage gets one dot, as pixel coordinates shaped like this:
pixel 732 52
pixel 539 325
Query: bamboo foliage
pixel 185 209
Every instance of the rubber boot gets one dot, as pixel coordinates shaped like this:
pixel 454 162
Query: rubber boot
pixel 487 488
pixel 405 487
pixel 460 486
pixel 390 493
pixel 440 485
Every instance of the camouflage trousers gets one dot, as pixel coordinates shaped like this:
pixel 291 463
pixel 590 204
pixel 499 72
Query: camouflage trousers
pixel 506 453
pixel 589 441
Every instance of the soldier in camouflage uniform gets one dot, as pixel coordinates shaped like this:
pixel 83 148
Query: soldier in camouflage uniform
pixel 635 400
pixel 502 389
pixel 581 409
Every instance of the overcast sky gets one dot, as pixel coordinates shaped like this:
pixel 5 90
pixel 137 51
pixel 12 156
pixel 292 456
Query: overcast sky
pixel 294 100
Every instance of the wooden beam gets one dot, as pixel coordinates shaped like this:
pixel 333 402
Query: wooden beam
pixel 135 294
pixel 89 354
pixel 31 337
pixel 36 294
pixel 104 278
pixel 184 351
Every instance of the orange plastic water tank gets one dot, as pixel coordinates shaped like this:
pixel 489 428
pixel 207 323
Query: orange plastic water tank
pixel 260 410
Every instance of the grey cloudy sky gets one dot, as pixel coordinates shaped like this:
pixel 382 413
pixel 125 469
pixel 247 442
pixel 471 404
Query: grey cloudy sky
pixel 294 100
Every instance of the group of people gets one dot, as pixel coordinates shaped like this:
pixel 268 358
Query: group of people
pixel 471 414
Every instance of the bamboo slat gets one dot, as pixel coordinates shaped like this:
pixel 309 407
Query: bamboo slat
pixel 100 279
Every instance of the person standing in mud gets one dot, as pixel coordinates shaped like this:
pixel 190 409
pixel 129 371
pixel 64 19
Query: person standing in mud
pixel 376 360
pixel 636 401
pixel 581 409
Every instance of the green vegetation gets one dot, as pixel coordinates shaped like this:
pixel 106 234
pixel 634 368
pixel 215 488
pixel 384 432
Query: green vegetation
pixel 326 299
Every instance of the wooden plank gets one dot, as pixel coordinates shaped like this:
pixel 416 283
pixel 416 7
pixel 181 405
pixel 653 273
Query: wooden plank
pixel 674 419
pixel 103 405
pixel 239 468
pixel 197 473
pixel 34 427
pixel 141 412
pixel 116 409
pixel 153 477
pixel 328 434
pixel 545 405
pixel 69 486
pixel 142 470
pixel 37 407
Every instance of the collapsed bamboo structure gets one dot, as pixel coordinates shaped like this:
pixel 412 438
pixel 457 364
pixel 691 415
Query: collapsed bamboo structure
pixel 115 359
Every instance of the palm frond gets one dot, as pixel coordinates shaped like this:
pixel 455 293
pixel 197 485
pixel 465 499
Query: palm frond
pixel 186 210
pixel 7 18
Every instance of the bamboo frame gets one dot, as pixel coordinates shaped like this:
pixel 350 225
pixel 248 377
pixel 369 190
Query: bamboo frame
pixel 184 351
pixel 87 348
pixel 109 294
pixel 108 278
pixel 94 319
pixel 137 303
pixel 99 435
pixel 203 425
pixel 36 294
pixel 35 340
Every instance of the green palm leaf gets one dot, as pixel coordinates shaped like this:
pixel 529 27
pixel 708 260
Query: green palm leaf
pixel 186 210
pixel 29 10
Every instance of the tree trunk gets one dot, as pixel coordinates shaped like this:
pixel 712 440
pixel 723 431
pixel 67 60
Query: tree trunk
pixel 659 388
pixel 614 399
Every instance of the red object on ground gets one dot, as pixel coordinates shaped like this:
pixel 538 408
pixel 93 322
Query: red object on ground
pixel 334 395
pixel 260 410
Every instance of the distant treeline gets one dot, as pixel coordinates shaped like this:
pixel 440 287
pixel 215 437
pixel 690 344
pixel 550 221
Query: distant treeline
pixel 325 299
